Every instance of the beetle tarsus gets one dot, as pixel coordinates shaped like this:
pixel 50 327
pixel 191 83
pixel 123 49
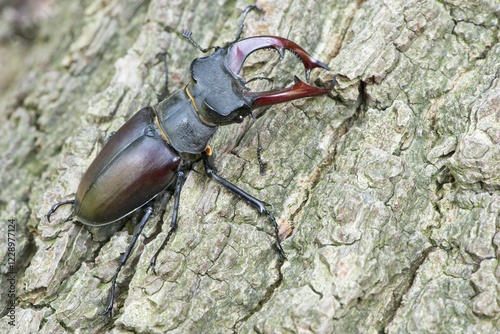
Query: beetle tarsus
pixel 262 164
pixel 281 252
pixel 109 309
pixel 56 206
pixel 181 177
pixel 145 217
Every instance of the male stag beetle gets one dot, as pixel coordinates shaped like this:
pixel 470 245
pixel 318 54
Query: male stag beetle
pixel 156 148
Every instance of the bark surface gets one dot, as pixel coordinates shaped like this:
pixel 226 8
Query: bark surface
pixel 388 192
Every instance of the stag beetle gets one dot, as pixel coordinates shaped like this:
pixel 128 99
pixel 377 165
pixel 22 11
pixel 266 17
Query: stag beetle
pixel 156 148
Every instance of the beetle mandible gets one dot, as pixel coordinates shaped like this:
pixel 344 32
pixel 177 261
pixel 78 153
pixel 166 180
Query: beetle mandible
pixel 156 148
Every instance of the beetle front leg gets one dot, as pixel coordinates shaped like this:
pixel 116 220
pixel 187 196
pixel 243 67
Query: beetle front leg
pixel 242 21
pixel 181 177
pixel 258 204
pixel 147 214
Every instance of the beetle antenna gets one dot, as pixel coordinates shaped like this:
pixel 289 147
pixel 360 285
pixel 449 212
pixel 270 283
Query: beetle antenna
pixel 262 165
pixel 243 16
pixel 187 35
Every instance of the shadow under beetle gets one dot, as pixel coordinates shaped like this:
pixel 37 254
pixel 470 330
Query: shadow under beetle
pixel 158 146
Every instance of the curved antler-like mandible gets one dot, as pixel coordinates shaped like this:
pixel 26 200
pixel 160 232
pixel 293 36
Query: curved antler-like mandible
pixel 299 90
pixel 239 51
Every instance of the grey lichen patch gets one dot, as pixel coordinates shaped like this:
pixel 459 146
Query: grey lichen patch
pixel 81 299
pixel 47 270
pixel 477 158
pixel 484 280
pixel 469 222
pixel 30 320
pixel 372 216
pixel 440 299
pixel 204 282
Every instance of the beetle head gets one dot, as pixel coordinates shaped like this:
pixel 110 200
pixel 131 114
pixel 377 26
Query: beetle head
pixel 221 96
pixel 217 91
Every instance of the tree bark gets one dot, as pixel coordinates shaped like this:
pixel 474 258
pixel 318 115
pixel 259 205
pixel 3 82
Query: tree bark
pixel 388 191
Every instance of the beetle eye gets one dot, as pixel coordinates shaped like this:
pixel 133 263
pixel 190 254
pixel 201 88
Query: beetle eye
pixel 241 113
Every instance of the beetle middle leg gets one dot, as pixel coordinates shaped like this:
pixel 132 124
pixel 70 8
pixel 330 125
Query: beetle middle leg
pixel 181 177
pixel 262 164
pixel 147 214
pixel 258 204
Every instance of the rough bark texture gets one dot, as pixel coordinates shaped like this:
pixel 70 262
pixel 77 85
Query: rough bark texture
pixel 391 188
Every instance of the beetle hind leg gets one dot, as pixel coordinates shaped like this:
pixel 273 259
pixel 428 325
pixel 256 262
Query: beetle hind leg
pixel 56 206
pixel 147 214
pixel 181 177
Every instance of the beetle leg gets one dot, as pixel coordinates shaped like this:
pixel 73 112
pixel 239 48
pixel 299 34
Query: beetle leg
pixel 262 164
pixel 243 16
pixel 258 204
pixel 188 34
pixel 56 206
pixel 147 214
pixel 181 177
